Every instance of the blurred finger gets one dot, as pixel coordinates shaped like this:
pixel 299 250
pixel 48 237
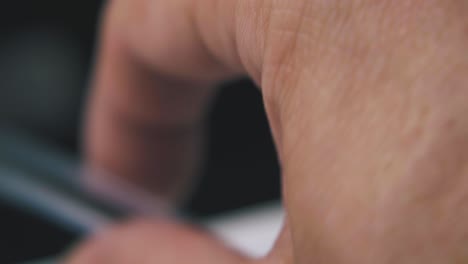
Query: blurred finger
pixel 145 241
pixel 153 84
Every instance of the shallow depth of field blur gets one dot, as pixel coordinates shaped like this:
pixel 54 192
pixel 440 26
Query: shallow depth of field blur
pixel 46 58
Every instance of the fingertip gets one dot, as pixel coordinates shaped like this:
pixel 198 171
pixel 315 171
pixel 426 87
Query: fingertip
pixel 155 241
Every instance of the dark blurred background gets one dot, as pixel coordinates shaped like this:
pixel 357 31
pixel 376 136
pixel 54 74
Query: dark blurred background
pixel 46 56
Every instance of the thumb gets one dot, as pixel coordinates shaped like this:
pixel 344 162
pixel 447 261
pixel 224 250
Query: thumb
pixel 145 241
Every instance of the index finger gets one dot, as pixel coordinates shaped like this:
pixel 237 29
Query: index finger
pixel 157 65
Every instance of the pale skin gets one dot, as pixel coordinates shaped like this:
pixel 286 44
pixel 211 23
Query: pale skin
pixel 367 101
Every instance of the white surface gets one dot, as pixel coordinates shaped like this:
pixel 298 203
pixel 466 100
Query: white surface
pixel 252 231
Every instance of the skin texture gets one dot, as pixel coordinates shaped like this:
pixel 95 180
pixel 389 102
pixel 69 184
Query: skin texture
pixel 367 102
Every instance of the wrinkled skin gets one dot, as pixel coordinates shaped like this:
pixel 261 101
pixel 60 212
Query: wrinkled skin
pixel 367 101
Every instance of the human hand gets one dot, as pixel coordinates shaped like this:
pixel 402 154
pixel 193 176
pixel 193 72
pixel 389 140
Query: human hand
pixel 366 101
